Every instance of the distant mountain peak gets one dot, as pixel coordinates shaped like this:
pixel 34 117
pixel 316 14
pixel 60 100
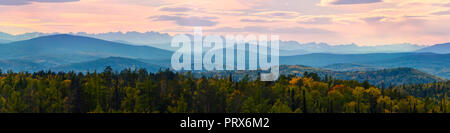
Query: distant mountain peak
pixel 438 49
pixel 56 36
pixel 66 44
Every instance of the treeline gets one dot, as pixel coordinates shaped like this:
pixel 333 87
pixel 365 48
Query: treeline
pixel 138 91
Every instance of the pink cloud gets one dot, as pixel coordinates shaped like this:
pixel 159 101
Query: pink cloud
pixel 384 22
pixel 26 2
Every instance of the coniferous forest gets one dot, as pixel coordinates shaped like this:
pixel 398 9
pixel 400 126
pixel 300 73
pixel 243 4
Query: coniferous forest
pixel 138 91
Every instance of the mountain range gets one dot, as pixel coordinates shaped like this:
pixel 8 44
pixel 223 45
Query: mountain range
pixel 295 48
pixel 287 48
pixel 55 50
pixel 64 52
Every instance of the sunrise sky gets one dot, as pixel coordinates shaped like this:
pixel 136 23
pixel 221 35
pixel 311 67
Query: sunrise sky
pixel 363 22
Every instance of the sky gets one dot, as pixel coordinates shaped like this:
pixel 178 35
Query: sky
pixel 362 22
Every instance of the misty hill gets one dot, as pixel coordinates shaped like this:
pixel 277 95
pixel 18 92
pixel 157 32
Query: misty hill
pixel 4 41
pixel 436 64
pixel 438 48
pixel 117 64
pixel 395 76
pixel 55 60
pixel 319 60
pixel 19 66
pixel 63 44
pixel 155 39
pixel 350 67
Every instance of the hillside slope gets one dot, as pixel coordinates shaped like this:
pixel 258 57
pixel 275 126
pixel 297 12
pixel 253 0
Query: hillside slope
pixel 395 76
pixel 436 64
pixel 76 45
pixel 116 63
pixel 438 48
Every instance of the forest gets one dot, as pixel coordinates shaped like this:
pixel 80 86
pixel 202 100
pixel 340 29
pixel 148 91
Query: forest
pixel 166 91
